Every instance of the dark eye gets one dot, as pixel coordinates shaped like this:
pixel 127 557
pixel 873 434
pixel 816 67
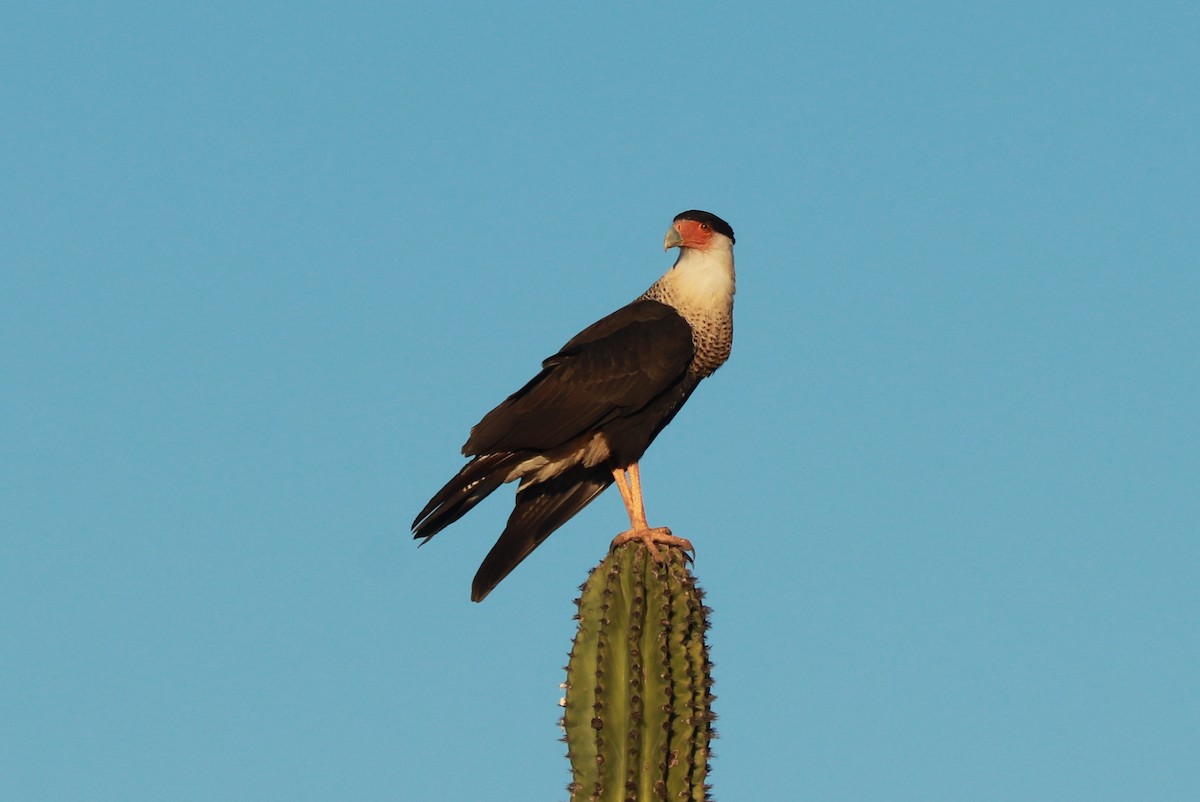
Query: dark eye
pixel 704 226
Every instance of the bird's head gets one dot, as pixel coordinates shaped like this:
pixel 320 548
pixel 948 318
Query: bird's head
pixel 696 229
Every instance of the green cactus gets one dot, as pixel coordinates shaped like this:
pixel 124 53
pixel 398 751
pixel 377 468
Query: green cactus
pixel 638 716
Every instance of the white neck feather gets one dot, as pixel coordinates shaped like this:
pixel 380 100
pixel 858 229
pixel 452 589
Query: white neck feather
pixel 702 279
pixel 700 288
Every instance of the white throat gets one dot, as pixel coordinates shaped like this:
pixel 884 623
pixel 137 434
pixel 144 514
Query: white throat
pixel 701 280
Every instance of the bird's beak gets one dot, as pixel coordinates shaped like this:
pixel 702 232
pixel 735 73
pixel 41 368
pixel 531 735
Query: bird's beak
pixel 674 239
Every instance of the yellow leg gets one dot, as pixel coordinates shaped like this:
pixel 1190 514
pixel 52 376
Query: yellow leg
pixel 626 493
pixel 631 494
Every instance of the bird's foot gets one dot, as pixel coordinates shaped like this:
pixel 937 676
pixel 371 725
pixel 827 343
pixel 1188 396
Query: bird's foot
pixel 651 538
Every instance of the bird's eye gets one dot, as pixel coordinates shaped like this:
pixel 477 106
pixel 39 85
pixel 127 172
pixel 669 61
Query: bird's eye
pixel 704 226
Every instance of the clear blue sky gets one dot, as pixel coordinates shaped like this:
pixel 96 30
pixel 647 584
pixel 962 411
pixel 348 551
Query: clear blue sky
pixel 263 264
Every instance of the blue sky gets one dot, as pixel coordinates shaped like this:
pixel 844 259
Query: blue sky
pixel 262 266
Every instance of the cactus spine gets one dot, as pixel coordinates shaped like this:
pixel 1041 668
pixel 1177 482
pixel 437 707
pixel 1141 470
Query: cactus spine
pixel 638 716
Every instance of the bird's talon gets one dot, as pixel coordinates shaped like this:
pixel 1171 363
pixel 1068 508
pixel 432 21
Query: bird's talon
pixel 652 539
pixel 654 553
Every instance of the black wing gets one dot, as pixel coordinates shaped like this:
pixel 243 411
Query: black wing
pixel 611 369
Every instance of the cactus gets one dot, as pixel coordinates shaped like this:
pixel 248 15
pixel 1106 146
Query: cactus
pixel 638 716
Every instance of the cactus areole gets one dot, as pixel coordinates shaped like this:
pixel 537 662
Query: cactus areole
pixel 585 420
pixel 638 708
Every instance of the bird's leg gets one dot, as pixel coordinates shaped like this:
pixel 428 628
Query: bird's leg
pixel 631 493
pixel 626 494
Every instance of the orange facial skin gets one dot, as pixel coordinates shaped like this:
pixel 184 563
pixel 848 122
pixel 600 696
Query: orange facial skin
pixel 692 234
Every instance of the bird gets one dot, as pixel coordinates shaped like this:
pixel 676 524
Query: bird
pixel 585 420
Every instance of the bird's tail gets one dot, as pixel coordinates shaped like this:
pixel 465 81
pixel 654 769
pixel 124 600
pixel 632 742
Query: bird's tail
pixel 541 508
pixel 473 484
